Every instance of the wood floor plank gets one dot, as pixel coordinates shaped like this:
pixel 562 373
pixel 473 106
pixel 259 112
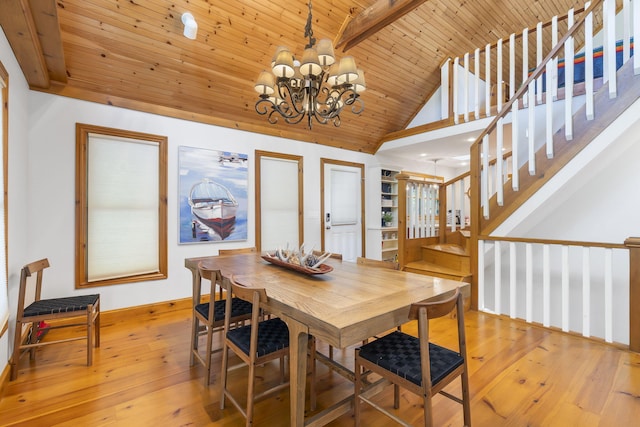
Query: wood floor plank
pixel 519 375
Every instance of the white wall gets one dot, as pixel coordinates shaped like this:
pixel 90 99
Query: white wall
pixel 52 190
pixel 18 188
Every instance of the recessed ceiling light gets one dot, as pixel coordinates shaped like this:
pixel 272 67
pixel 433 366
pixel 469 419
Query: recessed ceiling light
pixel 423 154
pixel 471 139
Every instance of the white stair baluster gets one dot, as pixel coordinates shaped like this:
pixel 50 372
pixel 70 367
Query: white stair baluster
pixel 588 63
pixel 513 268
pixel 546 286
pixel 539 61
pixel 465 98
pixel 456 113
pixel 497 261
pixel 586 292
pixel 568 82
pixel 608 296
pixel 529 282
pixel 487 78
pixel 565 288
pixel 481 282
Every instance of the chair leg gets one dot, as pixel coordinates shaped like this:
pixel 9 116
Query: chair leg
pixel 250 393
pixel 428 412
pixel 207 378
pixel 195 324
pixel 312 371
pixel 96 326
pixel 89 337
pixel 396 396
pixel 466 404
pixel 223 374
pixel 16 350
pixel 356 391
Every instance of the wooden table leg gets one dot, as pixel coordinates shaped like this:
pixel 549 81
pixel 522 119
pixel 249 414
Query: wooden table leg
pixel 298 341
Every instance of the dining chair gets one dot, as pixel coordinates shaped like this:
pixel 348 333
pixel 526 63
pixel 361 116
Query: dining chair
pixel 414 363
pixel 234 251
pixel 378 263
pixel 257 344
pixel 81 310
pixel 208 318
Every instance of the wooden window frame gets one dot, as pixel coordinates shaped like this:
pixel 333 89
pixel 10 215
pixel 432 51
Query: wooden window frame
pixel 4 139
pixel 299 159
pixel 82 245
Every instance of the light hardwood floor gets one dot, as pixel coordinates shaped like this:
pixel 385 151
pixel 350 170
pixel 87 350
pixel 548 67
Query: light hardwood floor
pixel 520 375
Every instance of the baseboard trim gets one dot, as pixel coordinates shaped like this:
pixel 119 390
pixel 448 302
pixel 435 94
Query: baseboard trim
pixel 158 307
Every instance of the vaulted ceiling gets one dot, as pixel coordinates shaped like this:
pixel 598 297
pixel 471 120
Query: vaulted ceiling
pixel 132 53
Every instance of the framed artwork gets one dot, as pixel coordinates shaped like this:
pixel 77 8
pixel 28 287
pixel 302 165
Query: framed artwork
pixel 212 195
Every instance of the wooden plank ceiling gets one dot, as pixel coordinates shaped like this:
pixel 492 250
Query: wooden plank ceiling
pixel 132 53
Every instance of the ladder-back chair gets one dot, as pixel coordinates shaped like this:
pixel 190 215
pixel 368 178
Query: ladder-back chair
pixel 414 363
pixel 208 318
pixel 84 309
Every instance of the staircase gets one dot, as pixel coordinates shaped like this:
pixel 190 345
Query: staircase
pixel 447 260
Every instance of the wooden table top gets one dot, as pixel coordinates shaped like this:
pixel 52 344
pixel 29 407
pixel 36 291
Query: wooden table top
pixel 343 307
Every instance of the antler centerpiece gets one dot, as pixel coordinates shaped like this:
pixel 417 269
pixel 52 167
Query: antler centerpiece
pixel 300 257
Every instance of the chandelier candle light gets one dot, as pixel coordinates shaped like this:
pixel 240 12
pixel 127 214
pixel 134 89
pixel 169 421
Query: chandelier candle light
pixel 317 87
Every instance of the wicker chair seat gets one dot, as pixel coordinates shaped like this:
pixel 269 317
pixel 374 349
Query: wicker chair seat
pixel 239 307
pixel 273 335
pixel 399 353
pixel 60 305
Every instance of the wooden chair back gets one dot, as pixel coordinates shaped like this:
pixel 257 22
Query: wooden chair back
pixel 37 268
pixel 378 263
pixel 236 251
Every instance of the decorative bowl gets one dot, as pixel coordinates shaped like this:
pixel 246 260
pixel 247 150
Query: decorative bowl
pixel 321 269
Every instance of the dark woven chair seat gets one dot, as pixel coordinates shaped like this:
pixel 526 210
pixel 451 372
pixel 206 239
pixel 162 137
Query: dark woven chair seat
pixel 273 335
pixel 60 305
pixel 239 307
pixel 399 353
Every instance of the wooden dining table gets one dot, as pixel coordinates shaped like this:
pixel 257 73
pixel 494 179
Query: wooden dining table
pixel 342 307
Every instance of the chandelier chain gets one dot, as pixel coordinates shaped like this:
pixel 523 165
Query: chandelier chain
pixel 308 29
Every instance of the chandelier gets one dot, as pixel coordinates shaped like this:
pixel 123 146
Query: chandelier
pixel 317 87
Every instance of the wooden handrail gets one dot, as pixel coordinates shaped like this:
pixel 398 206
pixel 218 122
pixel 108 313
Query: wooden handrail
pixel 555 242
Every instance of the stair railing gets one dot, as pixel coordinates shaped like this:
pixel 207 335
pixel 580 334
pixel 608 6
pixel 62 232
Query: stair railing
pixel 519 114
pixel 576 287
pixel 418 213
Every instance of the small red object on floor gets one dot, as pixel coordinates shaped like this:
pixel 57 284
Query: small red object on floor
pixel 43 328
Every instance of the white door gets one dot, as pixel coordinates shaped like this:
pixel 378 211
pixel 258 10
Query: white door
pixel 343 210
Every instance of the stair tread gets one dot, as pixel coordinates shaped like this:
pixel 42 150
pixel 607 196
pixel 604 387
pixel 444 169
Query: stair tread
pixel 429 266
pixel 448 247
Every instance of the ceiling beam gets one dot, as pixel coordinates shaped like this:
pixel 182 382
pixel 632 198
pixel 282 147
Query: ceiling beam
pixel 45 16
pixel 373 19
pixel 19 27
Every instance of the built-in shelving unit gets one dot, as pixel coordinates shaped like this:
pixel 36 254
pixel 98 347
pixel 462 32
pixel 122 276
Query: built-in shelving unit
pixel 389 214
pixel 382 237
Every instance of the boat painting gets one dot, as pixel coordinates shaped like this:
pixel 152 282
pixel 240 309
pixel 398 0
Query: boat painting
pixel 212 195
pixel 213 205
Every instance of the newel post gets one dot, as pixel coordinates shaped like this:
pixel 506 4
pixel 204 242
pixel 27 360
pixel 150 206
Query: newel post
pixel 402 179
pixel 633 243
